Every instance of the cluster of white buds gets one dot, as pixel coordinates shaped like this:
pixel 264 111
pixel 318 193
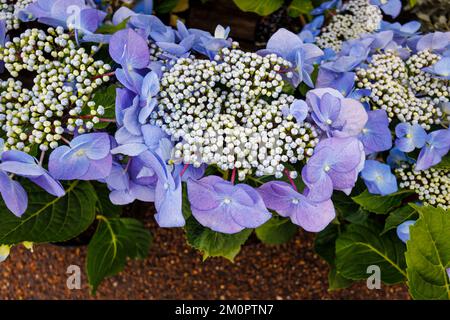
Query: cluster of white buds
pixel 9 11
pixel 356 17
pixel 435 90
pixel 388 78
pixel 63 79
pixel 432 185
pixel 228 112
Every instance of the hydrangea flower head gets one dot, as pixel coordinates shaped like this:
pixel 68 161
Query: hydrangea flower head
pixel 302 55
pixel 379 178
pixel 67 13
pixel 335 164
pixel 336 115
pixel 376 136
pixel 87 157
pixel 311 216
pixel 437 145
pixel 409 136
pixel 224 207
pixel 389 7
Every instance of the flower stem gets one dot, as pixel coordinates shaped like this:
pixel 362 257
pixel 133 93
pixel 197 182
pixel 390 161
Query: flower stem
pixel 110 74
pixel 288 175
pixel 186 166
pixel 233 175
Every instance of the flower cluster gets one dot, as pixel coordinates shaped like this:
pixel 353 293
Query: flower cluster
pixel 399 88
pixel 232 112
pixel 431 185
pixel 57 97
pixel 352 19
pixel 11 12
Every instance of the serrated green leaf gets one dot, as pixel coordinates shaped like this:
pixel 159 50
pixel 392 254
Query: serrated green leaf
pixel 381 204
pixel 428 255
pixel 50 219
pixel 361 245
pixel 114 241
pixel 214 244
pixel 298 7
pixel 276 231
pixel 399 216
pixel 261 7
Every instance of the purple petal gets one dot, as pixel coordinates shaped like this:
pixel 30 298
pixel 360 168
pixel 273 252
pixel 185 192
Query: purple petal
pixel 13 194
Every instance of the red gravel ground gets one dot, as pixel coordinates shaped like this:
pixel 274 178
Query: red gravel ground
pixel 175 271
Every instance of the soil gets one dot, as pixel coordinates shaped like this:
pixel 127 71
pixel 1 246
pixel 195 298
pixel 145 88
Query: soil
pixel 173 270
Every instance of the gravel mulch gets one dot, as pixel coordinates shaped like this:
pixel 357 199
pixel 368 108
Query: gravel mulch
pixel 175 271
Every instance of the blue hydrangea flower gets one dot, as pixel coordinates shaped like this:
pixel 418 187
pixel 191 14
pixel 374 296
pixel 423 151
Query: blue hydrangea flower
pixel 303 56
pixel 336 115
pixel 224 207
pixel 436 42
pixel 298 109
pixel 409 137
pixel 87 157
pixel 131 51
pixel 326 6
pixel 343 82
pixel 376 136
pixel 311 216
pixel 396 158
pixel 403 230
pixel 74 13
pixel 125 189
pixel 436 146
pixel 168 191
pixel 22 164
pixel 401 32
pixel 379 178
pixel 440 69
pixel 389 7
pixel 335 164
pixel 312 29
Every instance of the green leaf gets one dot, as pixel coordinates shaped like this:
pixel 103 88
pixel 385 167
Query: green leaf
pixel 337 281
pixel 428 255
pixel 361 245
pixel 325 243
pixel 261 7
pixel 186 207
pixel 214 244
pixel 325 246
pixel 381 204
pixel 444 164
pixel 107 98
pixel 114 241
pixel 111 28
pixel 412 3
pixel 276 231
pixel 166 6
pixel 298 7
pixel 50 219
pixel 104 205
pixel 399 216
